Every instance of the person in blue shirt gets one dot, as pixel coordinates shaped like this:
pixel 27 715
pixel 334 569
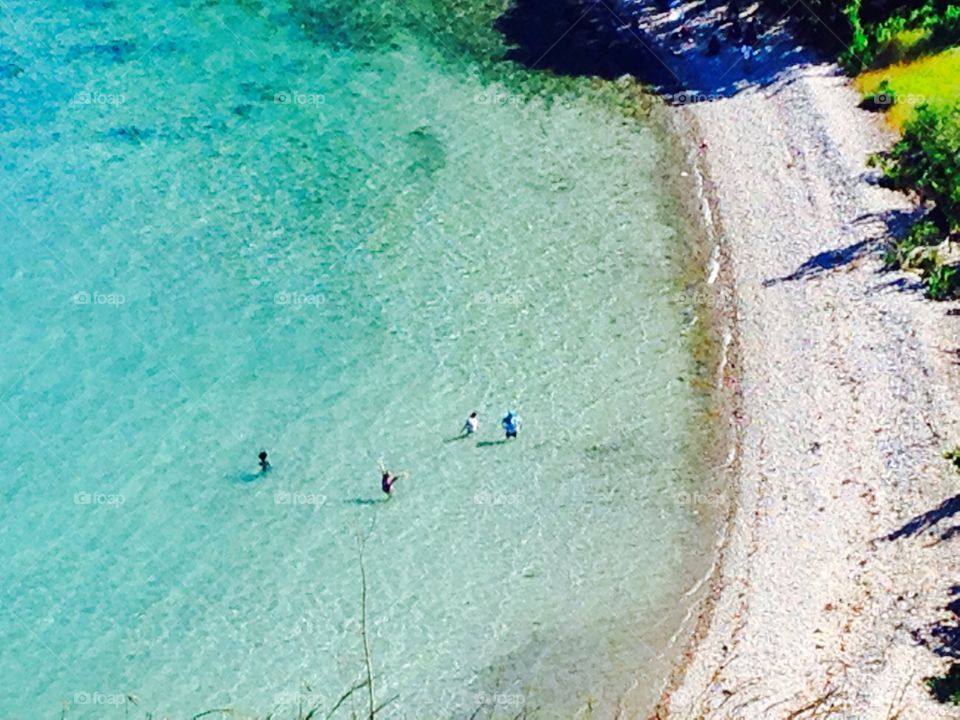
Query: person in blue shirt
pixel 511 424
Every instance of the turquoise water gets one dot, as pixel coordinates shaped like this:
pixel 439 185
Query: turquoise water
pixel 331 232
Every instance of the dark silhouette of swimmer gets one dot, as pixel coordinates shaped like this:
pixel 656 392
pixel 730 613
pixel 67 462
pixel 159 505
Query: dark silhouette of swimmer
pixel 264 464
pixel 387 481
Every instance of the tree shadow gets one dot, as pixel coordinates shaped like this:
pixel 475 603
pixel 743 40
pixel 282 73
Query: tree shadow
pixel 948 508
pixel 890 223
pixel 943 637
pixel 576 38
pixel 900 284
pixel 825 262
pixel 665 48
pixel 950 532
pixel 896 221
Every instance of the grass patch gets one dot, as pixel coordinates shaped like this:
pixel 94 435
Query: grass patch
pixel 934 80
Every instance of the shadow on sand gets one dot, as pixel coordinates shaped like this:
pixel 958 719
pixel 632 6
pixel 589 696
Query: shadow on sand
pixel 661 47
pixel 947 509
pixel 942 636
pixel 889 224
pixel 825 262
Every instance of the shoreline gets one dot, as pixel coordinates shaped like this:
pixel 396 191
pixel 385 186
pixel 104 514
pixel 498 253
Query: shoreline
pixel 844 401
pixel 720 311
pixel 696 268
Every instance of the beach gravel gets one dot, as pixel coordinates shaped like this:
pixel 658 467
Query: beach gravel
pixel 825 595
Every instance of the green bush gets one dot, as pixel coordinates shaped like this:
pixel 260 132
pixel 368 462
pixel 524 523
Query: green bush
pixel 873 33
pixel 946 689
pixel 857 56
pixel 927 159
pixel 942 282
pixel 954 457
pixel 944 28
pixel 882 32
pixel 924 232
pixel 902 253
pixel 901 45
pixel 884 37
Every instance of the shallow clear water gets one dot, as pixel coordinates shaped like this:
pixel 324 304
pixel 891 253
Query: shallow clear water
pixel 331 234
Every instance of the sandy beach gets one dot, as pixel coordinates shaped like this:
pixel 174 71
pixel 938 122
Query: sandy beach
pixel 838 563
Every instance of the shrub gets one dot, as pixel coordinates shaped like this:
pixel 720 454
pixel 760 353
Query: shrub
pixel 947 687
pixel 954 457
pixel 903 45
pixel 942 282
pixel 884 32
pixel 944 29
pixel 924 233
pixel 858 55
pixel 927 159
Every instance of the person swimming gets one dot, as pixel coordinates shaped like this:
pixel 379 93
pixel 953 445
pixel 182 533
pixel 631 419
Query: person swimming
pixel 387 481
pixel 471 425
pixel 264 463
pixel 511 424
